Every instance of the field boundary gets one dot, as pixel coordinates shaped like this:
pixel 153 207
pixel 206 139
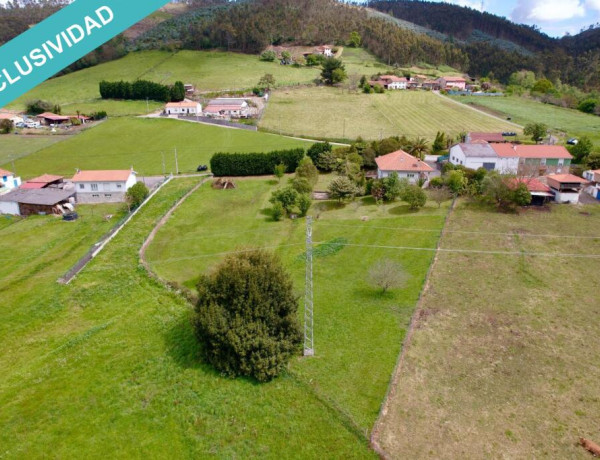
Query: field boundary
pixel 393 385
pixel 478 111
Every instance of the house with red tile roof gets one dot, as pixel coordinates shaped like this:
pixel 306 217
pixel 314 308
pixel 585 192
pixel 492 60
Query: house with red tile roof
pixel 392 82
pixel 566 187
pixel 536 160
pixel 480 154
pixel 593 176
pixel 403 164
pixel 8 181
pixel 183 108
pixel 227 108
pixel 106 186
pixel 540 192
pixel 452 82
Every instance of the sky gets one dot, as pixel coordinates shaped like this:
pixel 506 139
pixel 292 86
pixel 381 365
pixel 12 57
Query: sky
pixel 554 17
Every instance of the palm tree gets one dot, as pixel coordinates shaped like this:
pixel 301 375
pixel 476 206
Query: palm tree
pixel 418 147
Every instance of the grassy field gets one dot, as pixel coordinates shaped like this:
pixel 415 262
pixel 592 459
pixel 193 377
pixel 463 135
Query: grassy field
pixel 358 330
pixel 127 142
pixel 108 366
pixel 523 111
pixel 334 113
pixel 506 361
pixel 13 147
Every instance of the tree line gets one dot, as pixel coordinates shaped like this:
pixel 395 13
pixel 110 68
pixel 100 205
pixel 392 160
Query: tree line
pixel 141 90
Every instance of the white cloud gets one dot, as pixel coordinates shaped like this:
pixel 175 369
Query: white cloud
pixel 548 10
pixel 593 4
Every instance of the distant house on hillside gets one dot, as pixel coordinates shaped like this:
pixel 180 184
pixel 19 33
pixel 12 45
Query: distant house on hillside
pixel 482 155
pixel 189 88
pixel 186 107
pixel 325 50
pixel 485 137
pixel 593 177
pixel 27 202
pixel 566 187
pixel 227 108
pixel 8 181
pixel 103 186
pixel 48 118
pixel 431 84
pixel 14 117
pixel 452 82
pixel 405 165
pixel 391 82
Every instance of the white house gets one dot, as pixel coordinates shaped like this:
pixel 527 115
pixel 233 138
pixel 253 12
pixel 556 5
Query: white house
pixel 8 181
pixel 183 108
pixel 392 82
pixel 405 165
pixel 14 117
pixel 566 187
pixel 593 177
pixel 483 155
pixel 103 186
pixel 326 51
pixel 227 108
pixel 452 83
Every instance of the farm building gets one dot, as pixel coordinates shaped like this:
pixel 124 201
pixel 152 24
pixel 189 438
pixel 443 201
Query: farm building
pixel 183 108
pixel 566 187
pixel 594 178
pixel 540 192
pixel 227 108
pixel 325 50
pixel 452 82
pixel 48 119
pixel 45 181
pixel 537 160
pixel 405 165
pixel 103 186
pixel 485 137
pixel 8 180
pixel 482 155
pixel 12 116
pixel 24 202
pixel 189 88
pixel 524 160
pixel 392 82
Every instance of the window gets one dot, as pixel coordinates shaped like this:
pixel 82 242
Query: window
pixel 119 185
pixel 81 186
pixel 95 196
pixel 561 162
pixel 107 195
pixel 410 175
pixel 94 187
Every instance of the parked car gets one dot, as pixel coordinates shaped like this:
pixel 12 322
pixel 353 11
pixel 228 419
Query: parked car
pixel 70 216
pixel 33 124
pixel 442 159
pixel 20 125
pixel 202 168
pixel 509 133
pixel 572 141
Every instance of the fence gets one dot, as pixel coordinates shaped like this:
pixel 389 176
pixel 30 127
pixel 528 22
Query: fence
pixel 213 121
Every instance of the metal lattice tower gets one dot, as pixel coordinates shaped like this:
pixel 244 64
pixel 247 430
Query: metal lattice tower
pixel 309 346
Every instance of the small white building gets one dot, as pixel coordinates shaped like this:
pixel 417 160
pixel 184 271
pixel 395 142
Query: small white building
pixel 189 108
pixel 325 50
pixel 392 82
pixel 566 187
pixel 405 165
pixel 227 108
pixel 593 188
pixel 483 155
pixel 14 117
pixel 103 186
pixel 8 181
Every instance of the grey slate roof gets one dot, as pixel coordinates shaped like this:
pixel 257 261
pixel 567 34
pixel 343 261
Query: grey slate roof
pixel 41 197
pixel 478 150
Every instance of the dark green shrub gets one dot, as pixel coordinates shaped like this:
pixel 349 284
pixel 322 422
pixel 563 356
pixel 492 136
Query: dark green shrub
pixel 254 164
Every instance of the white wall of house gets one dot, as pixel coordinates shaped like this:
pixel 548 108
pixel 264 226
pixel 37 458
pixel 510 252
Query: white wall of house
pixel 397 85
pixel 10 182
pixel 10 208
pixel 412 176
pixel 501 165
pixel 103 192
pixel 566 197
pixel 184 110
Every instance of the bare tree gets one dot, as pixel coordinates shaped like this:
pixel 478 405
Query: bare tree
pixel 439 195
pixel 387 274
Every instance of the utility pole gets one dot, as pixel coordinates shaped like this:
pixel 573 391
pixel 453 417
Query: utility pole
pixel 309 346
pixel 147 106
pixel 176 162
pixel 163 162
pixel 344 135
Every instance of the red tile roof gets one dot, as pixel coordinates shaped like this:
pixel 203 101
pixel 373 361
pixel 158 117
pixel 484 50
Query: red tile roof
pixel 46 179
pixel 4 172
pixel 533 185
pixel 102 176
pixel 53 117
pixel 454 79
pixel 567 178
pixel 32 185
pixel 183 104
pixel 401 161
pixel 487 137
pixel 531 151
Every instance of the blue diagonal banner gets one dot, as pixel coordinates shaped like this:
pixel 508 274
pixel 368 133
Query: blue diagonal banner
pixel 63 38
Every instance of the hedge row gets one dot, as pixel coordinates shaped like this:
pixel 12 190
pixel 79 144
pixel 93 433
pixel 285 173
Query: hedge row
pixel 254 164
pixel 141 90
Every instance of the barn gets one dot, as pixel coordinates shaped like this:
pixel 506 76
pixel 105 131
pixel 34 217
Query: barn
pixel 27 202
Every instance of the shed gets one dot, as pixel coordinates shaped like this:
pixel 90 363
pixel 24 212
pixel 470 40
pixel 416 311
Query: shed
pixel 27 202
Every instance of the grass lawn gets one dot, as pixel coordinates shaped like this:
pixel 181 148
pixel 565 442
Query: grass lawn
pixel 108 366
pixel 507 360
pixel 358 331
pixel 523 111
pixel 13 147
pixel 137 142
pixel 334 113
